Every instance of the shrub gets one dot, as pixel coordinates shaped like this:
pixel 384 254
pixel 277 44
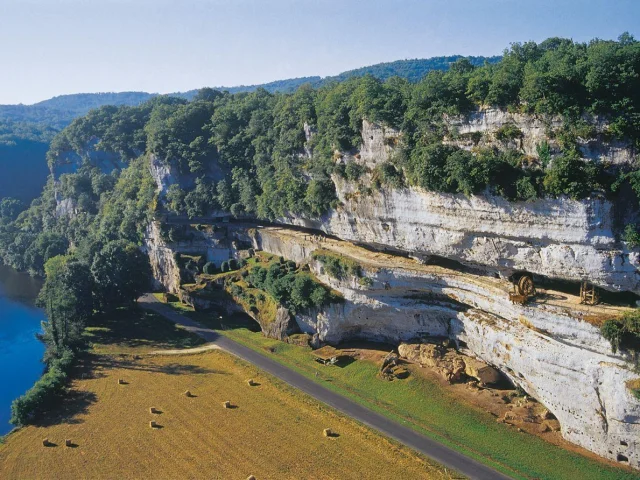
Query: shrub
pixel 508 132
pixel 235 290
pixel 525 189
pixel 338 267
pixel 209 268
pixel 631 236
pixel 572 177
pixel 353 171
pixel 44 393
pixel 544 153
pixel 224 266
pixel 623 333
pixel 386 174
pixel 467 173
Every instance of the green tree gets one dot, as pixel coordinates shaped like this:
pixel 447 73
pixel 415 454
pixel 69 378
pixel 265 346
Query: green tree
pixel 121 273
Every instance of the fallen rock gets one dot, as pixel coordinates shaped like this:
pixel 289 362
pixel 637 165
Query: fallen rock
pixel 485 374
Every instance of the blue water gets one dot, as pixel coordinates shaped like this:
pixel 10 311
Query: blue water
pixel 20 352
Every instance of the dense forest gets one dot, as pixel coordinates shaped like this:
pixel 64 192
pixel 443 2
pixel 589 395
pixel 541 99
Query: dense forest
pixel 247 154
pixel 26 130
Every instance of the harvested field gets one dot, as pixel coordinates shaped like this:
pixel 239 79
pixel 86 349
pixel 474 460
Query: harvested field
pixel 271 431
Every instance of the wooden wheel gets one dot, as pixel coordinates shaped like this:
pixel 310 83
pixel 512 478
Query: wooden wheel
pixel 526 286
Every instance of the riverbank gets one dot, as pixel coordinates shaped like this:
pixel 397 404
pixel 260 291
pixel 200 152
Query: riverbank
pixel 20 351
pixel 108 422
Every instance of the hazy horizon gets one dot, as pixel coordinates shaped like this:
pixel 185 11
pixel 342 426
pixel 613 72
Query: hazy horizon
pixel 61 47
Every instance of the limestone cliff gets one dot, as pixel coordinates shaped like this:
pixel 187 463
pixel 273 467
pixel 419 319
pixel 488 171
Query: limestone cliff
pixel 557 238
pixel 548 347
pixel 552 347
pixel 534 130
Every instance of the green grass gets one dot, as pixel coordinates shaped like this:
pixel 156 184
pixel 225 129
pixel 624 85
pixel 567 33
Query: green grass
pixel 428 408
pixel 132 329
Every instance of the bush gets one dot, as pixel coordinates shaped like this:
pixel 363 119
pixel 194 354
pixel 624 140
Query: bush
pixel 224 266
pixel 233 264
pixel 386 174
pixel 572 177
pixel 623 333
pixel 209 268
pixel 631 236
pixel 338 267
pixel 44 393
pixel 236 290
pixel 508 132
pixel 353 171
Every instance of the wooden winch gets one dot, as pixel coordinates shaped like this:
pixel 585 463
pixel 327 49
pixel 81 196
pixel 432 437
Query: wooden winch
pixel 523 289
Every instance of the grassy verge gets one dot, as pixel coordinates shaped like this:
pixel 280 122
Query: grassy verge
pixel 136 331
pixel 424 406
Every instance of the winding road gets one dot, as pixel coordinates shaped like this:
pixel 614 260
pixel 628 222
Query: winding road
pixel 444 455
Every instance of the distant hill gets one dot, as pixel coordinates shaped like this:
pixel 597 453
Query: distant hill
pixel 412 70
pixel 81 103
pixel 26 130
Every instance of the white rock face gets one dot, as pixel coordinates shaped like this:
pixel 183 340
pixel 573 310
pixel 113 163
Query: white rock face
pixel 535 130
pixel 558 359
pixel 562 238
pixel 216 247
pixel 166 273
pixel 558 238
pixel 378 144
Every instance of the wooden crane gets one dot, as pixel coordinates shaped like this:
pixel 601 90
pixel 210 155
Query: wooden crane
pixel 588 293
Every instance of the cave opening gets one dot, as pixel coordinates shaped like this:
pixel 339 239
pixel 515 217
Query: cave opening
pixel 627 299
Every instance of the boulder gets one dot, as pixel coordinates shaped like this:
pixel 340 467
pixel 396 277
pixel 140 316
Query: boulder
pixel 484 373
pixel 283 326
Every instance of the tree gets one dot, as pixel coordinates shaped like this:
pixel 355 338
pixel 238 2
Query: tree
pixel 121 273
pixel 571 176
pixel 10 208
pixel 67 299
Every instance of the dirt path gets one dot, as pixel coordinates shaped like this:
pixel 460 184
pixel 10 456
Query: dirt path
pixel 188 351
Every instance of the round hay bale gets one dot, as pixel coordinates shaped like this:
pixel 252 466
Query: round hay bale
pixel 68 442
pixel 226 404
pixel 188 393
pixel 250 382
pixel 327 432
pixel 45 442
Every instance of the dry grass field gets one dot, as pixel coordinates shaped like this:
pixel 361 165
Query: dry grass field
pixel 272 431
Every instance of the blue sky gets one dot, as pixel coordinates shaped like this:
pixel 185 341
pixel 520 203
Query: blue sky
pixel 53 47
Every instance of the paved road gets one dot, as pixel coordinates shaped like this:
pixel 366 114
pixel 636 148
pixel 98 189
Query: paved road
pixel 440 453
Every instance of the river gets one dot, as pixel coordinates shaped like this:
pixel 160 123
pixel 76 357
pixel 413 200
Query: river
pixel 20 351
